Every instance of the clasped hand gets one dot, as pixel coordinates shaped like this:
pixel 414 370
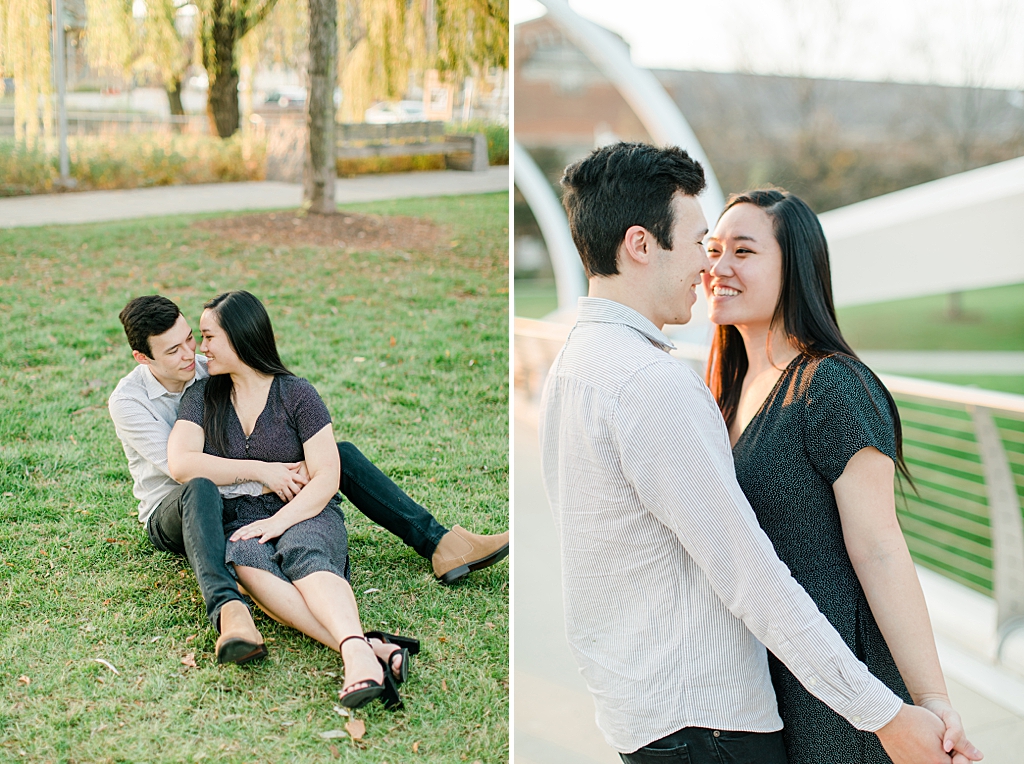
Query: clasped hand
pixel 928 734
pixel 285 479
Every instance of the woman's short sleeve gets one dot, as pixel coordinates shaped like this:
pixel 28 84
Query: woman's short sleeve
pixel 306 408
pixel 191 407
pixel 847 411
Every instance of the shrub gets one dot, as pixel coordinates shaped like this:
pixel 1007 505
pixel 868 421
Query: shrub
pixel 497 137
pixel 131 161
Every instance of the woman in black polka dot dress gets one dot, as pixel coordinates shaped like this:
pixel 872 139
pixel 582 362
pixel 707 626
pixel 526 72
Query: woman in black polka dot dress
pixel 253 419
pixel 816 439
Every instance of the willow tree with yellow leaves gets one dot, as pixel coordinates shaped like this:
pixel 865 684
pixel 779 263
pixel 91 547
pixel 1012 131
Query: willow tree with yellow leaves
pixel 381 41
pixel 25 55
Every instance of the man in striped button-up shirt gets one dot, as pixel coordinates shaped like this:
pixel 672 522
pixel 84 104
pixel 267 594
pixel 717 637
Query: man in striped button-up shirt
pixel 671 588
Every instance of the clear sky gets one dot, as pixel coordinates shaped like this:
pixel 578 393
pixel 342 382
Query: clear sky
pixel 976 42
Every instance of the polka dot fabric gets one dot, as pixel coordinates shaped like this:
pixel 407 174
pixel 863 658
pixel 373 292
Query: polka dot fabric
pixel 821 412
pixel 294 413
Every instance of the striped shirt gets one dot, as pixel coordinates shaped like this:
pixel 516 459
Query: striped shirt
pixel 671 589
pixel 144 412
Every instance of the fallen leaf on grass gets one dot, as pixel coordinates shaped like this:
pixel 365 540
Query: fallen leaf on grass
pixel 341 711
pixel 287 724
pixel 189 660
pixel 331 674
pixel 416 747
pixel 334 751
pixel 332 734
pixel 489 625
pixel 108 664
pixel 190 637
pixel 24 680
pixel 442 639
pixel 356 729
pixel 371 591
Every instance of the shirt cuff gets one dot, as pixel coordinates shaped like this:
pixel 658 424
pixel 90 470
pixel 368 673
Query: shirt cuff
pixel 233 491
pixel 873 708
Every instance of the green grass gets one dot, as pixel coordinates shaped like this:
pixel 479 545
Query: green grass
pixel 535 298
pixel 1002 383
pixel 79 581
pixel 993 319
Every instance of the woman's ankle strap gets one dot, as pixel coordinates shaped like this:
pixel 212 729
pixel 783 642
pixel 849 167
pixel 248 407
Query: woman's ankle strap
pixel 354 636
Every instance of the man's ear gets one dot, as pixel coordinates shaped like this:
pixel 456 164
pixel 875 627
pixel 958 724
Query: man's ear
pixel 141 357
pixel 636 244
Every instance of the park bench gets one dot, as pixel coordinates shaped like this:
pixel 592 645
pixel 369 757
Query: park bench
pixel 361 141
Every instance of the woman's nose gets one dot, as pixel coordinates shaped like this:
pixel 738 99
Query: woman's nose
pixel 720 266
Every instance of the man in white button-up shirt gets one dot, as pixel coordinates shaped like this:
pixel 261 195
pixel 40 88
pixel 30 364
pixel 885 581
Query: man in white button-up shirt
pixel 671 589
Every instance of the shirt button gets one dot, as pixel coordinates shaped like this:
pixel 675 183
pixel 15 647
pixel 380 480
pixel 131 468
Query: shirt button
pixel 812 681
pixel 856 719
pixel 717 733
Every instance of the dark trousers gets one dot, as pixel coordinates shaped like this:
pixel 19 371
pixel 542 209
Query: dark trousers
pixel 189 522
pixel 376 496
pixel 696 745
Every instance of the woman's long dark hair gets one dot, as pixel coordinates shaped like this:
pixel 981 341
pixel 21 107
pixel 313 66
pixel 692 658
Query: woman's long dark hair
pixel 805 310
pixel 244 320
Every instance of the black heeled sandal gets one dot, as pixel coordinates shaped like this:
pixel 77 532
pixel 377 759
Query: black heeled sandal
pixel 374 689
pixel 407 646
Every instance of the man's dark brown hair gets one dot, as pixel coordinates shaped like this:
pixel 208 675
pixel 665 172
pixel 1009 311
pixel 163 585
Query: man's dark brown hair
pixel 145 317
pixel 623 185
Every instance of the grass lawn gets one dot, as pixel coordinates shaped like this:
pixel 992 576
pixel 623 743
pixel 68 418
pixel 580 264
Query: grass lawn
pixel 992 319
pixel 535 298
pixel 79 580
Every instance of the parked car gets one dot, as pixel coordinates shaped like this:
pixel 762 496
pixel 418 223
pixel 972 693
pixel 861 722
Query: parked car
pixel 287 97
pixel 389 112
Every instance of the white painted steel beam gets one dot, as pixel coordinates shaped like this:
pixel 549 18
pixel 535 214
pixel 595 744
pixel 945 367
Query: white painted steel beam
pixel 655 109
pixel 950 235
pixel 570 278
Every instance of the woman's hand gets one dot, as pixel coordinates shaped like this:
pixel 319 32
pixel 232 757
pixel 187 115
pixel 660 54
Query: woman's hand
pixel 954 741
pixel 265 530
pixel 285 479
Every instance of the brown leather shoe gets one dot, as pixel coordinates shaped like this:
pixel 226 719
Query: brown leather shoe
pixel 239 641
pixel 459 551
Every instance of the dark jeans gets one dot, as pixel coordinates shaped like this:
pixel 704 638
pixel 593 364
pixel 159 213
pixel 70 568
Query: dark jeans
pixel 189 522
pixel 696 745
pixel 373 494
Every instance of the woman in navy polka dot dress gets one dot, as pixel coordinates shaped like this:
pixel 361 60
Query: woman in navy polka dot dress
pixel 254 420
pixel 816 441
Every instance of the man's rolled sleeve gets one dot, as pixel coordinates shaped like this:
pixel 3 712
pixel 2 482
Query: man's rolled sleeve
pixel 675 452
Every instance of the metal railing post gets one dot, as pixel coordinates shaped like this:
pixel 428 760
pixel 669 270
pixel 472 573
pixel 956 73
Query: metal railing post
pixel 1006 524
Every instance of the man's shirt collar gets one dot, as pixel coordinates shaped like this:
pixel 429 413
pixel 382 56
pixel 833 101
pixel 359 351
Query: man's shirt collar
pixel 154 389
pixel 597 310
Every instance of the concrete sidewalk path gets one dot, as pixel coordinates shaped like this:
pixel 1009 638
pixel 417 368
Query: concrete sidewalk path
pixel 100 206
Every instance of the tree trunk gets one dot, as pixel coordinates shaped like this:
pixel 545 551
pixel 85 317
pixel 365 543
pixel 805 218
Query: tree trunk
pixel 222 101
pixel 320 163
pixel 174 100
